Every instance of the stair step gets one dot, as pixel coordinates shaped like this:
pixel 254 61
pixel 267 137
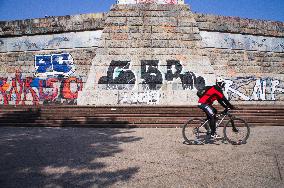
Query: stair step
pixel 127 116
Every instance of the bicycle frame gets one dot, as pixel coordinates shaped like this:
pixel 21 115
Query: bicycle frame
pixel 219 120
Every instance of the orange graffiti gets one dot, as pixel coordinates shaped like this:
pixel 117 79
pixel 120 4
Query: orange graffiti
pixel 5 87
pixel 66 91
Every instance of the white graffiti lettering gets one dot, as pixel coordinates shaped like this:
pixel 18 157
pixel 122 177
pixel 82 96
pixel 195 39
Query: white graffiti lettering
pixel 262 90
pixel 149 97
pixel 228 89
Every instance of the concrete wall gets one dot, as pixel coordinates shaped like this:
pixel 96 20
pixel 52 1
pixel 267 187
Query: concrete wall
pixel 144 54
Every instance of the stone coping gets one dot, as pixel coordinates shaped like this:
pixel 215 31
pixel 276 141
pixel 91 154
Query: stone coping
pixel 96 21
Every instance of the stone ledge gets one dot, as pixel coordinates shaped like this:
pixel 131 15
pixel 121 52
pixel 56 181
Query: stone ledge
pixel 96 21
pixel 51 25
pixel 239 25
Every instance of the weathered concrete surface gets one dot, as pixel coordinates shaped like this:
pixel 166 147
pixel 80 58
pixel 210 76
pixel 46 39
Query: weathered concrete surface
pixel 73 157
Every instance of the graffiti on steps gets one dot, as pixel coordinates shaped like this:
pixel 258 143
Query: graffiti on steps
pixel 28 90
pixel 263 89
pixel 54 65
pixel 119 75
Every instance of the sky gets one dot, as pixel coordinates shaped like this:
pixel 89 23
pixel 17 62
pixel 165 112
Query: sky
pixel 27 9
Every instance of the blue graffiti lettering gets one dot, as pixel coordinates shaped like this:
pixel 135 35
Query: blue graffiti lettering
pixel 54 65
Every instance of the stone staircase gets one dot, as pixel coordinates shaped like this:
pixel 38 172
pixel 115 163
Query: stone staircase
pixel 126 116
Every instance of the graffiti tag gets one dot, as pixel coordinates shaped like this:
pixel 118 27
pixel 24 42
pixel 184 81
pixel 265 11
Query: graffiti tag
pixel 264 89
pixel 54 65
pixel 119 75
pixel 21 90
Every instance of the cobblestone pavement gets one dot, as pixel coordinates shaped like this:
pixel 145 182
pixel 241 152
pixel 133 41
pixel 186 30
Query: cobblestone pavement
pixel 154 157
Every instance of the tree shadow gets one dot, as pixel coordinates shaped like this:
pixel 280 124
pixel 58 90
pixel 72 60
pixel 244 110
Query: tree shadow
pixel 96 122
pixel 20 117
pixel 62 157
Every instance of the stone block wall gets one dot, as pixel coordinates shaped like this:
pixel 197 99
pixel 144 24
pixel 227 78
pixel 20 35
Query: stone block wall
pixel 47 60
pixel 249 53
pixel 151 56
pixel 144 54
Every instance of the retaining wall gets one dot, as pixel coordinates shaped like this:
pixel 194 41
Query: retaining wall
pixel 140 55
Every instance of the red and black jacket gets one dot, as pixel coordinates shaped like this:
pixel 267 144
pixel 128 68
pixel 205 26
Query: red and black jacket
pixel 212 94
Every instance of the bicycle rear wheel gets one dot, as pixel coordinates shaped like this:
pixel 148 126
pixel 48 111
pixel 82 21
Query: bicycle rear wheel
pixel 194 131
pixel 236 131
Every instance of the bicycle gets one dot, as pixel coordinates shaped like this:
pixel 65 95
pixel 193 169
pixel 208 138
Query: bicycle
pixel 236 131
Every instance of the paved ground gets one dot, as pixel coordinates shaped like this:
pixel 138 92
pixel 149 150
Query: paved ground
pixel 83 157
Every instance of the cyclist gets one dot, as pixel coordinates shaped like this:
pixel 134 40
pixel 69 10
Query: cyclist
pixel 209 95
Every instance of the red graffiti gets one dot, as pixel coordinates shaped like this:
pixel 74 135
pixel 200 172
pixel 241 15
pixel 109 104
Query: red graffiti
pixel 17 88
pixel 49 90
pixel 3 89
pixel 27 89
pixel 50 83
pixel 66 91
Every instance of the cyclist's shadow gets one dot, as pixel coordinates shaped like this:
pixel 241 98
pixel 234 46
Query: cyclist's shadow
pixel 205 139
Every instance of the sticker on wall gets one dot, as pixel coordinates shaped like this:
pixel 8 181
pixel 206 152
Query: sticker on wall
pixel 55 65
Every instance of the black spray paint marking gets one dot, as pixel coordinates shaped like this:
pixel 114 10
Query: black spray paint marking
pixel 188 79
pixel 118 75
pixel 151 74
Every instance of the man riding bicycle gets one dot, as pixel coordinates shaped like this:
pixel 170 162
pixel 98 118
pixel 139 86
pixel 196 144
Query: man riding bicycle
pixel 208 96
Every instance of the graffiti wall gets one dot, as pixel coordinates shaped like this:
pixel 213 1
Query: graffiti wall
pixel 54 81
pixel 120 76
pixel 254 89
pixel 21 90
pixel 253 65
pixel 159 55
pixel 45 69
pixel 146 82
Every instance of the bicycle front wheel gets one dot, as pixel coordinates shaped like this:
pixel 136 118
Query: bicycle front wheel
pixel 194 131
pixel 236 131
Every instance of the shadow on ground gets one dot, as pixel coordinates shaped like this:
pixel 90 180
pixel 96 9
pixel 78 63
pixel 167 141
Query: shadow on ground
pixel 19 117
pixel 33 117
pixel 61 157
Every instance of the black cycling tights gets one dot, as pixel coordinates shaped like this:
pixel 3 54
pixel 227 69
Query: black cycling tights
pixel 210 112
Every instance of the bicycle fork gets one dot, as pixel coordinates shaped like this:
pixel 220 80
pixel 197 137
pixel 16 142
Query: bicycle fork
pixel 234 128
